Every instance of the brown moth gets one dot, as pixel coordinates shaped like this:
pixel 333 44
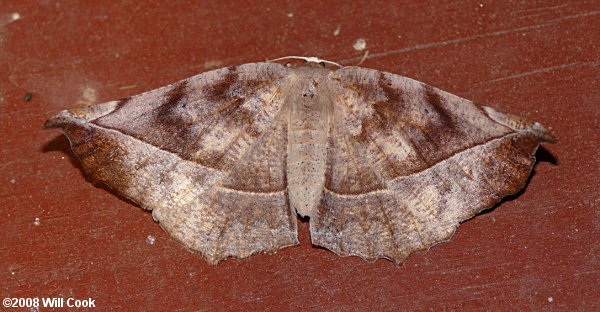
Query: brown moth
pixel 383 165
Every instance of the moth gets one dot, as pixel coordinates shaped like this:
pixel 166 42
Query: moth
pixel 382 165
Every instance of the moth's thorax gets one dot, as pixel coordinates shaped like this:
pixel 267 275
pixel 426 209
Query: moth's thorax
pixel 308 102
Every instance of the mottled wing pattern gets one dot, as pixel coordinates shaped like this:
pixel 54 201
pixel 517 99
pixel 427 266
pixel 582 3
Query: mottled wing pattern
pixel 206 154
pixel 408 162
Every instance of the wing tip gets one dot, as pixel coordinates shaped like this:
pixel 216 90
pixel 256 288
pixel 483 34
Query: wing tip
pixel 543 134
pixel 60 120
pixel 83 114
pixel 521 124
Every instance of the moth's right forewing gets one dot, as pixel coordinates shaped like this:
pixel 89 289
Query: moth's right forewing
pixel 172 149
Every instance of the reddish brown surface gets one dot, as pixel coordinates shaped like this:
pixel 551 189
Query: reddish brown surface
pixel 538 59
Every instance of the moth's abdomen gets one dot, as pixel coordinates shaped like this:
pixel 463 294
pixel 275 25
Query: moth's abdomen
pixel 307 153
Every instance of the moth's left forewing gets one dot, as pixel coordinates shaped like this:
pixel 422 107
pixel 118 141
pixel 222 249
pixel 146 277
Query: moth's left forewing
pixel 441 158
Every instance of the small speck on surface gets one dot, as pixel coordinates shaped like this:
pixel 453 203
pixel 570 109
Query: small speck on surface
pixel 28 97
pixel 150 239
pixel 36 222
pixel 290 15
pixel 337 30
pixel 550 299
pixel 15 16
pixel 13 181
pixel 360 44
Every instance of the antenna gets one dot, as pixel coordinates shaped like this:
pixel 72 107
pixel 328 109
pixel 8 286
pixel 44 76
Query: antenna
pixel 308 59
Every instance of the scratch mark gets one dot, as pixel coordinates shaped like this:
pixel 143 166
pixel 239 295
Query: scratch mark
pixel 487 285
pixel 585 272
pixel 542 8
pixel 461 40
pixel 534 12
pixel 545 70
pixel 127 87
pixel 573 16
pixel 468 269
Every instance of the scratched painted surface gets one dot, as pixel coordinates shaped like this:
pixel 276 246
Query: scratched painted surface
pixel 62 237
